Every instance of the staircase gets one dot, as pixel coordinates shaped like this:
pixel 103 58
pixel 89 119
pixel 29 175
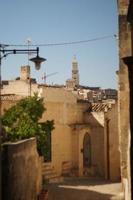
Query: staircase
pixel 49 174
pixel 68 170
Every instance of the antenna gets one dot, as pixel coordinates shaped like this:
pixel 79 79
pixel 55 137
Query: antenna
pixel 45 76
pixel 28 42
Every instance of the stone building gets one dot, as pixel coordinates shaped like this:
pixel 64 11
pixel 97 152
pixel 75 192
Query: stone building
pixel 22 86
pixel 79 133
pixel 78 136
pixel 93 94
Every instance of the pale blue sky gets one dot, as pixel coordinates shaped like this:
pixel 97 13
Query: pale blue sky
pixel 55 21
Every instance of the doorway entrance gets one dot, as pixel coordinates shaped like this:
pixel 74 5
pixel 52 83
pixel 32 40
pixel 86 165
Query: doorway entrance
pixel 87 151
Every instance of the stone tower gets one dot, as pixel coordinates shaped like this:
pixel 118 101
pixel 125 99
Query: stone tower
pixel 25 73
pixel 75 72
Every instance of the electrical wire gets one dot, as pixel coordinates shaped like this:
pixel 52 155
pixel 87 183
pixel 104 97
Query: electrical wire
pixel 65 43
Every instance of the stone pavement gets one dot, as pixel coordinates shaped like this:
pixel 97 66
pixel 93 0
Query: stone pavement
pixel 84 189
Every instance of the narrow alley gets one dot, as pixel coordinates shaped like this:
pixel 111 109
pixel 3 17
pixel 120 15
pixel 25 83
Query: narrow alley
pixel 82 189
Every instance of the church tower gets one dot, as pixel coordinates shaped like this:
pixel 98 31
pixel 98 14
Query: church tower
pixel 75 72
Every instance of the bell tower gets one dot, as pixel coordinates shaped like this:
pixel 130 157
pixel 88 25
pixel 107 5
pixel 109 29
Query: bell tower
pixel 75 72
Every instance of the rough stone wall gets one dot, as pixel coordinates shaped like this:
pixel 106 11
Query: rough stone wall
pixel 21 171
pixel 112 171
pixel 123 93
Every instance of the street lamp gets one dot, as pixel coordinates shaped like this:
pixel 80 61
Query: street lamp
pixel 37 60
pixel 4 52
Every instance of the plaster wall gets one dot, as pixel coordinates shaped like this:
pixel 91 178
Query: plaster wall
pixel 61 147
pixel 97 138
pixel 96 124
pixel 64 113
pixel 20 87
pixel 63 108
pixel 96 132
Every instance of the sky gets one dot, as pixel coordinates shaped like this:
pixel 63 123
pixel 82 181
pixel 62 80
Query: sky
pixel 60 21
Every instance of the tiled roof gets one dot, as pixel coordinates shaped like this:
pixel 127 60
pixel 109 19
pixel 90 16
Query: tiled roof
pixel 98 107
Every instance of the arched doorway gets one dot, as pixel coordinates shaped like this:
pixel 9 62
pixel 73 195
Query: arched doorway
pixel 87 151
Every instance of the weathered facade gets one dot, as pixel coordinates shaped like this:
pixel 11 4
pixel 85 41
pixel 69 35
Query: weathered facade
pixel 125 50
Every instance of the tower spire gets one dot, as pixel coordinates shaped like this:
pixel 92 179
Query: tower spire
pixel 75 71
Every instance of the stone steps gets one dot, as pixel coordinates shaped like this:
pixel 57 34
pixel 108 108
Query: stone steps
pixel 66 168
pixel 49 174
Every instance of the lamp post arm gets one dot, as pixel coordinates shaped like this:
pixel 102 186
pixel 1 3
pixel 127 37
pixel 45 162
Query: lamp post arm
pixel 6 52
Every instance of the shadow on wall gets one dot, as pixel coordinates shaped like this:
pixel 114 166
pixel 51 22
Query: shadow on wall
pixel 93 118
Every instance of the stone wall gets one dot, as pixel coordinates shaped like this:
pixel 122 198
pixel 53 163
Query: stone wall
pixel 111 144
pixel 21 171
pixel 123 95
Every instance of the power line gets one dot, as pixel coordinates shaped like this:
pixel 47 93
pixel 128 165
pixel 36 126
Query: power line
pixel 66 43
